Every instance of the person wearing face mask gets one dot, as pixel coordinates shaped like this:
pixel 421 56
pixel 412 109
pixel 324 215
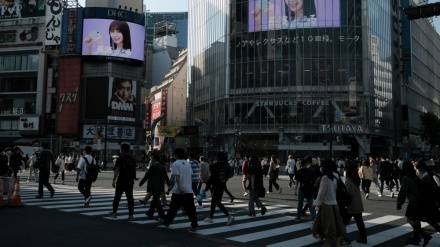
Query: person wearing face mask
pixel 60 162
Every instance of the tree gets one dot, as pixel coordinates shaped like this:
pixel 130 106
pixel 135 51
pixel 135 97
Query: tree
pixel 430 130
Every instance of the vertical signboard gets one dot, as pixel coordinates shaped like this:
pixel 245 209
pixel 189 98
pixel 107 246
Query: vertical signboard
pixel 68 98
pixel 147 113
pixel 163 106
pixel 71 31
pixel 54 9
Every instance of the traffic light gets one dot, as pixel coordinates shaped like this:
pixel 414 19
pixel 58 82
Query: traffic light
pixel 422 11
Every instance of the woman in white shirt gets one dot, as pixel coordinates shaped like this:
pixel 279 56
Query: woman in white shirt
pixel 328 223
pixel 60 162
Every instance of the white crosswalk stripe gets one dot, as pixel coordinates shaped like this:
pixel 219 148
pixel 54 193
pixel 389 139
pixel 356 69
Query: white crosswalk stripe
pixel 275 228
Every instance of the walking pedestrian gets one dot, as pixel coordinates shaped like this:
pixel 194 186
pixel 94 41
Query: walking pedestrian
pixel 16 160
pixel 305 182
pixel 204 172
pixel 60 162
pixel 84 184
pixel 272 175
pixel 32 169
pixel 356 207
pixel 255 173
pixel 373 165
pixel 182 193
pixel 385 175
pixel 409 190
pixel 245 176
pixel 45 161
pixel 290 169
pixel 123 180
pixel 156 176
pixel 217 183
pixel 328 223
pixel 195 166
pixel 366 174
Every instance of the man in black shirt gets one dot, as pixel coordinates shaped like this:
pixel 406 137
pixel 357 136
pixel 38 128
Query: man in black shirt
pixel 385 174
pixel 45 161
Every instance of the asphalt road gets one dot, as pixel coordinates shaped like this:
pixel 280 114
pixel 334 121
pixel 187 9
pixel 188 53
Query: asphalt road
pixel 39 226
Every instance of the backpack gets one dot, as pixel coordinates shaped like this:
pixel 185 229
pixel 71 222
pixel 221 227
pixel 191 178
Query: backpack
pixel 91 170
pixel 129 167
pixel 342 196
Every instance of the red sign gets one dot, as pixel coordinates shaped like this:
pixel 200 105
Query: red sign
pixel 68 100
pixel 155 110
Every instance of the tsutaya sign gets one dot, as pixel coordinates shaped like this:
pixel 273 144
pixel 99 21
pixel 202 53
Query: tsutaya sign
pixel 343 128
pixel 292 103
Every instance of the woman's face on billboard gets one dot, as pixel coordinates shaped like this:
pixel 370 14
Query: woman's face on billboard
pixel 124 91
pixel 295 5
pixel 116 36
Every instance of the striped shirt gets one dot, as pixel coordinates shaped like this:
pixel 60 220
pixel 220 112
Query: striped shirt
pixel 196 170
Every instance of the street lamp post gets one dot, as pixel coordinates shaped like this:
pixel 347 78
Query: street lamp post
pixel 237 121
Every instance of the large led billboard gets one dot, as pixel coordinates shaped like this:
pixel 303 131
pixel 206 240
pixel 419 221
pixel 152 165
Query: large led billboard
pixel 267 15
pixel 122 101
pixel 113 39
pixel 113 34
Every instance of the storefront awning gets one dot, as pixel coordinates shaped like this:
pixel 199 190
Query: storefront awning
pixel 26 141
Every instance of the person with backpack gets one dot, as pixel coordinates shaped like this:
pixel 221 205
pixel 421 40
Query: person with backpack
pixel 123 180
pixel 84 174
pixel 305 182
pixel 45 161
pixel 328 224
pixel 217 184
pixel 255 173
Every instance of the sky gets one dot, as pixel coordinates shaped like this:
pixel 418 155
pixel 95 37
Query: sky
pixel 182 6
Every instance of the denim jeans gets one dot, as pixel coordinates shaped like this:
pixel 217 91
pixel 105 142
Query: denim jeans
pixel 309 203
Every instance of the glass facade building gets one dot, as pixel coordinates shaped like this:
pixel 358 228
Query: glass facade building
pixel 310 76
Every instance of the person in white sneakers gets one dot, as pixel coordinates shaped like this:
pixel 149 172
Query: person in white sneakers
pixel 217 184
pixel 84 184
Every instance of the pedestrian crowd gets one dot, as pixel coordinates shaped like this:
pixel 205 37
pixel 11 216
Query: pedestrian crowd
pixel 330 201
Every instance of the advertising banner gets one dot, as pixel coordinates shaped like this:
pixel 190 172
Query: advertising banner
pixel 113 39
pixel 54 12
pixel 122 102
pixel 292 14
pixel 114 132
pixel 13 9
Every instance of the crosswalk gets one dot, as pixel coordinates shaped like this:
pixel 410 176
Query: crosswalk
pixel 274 229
